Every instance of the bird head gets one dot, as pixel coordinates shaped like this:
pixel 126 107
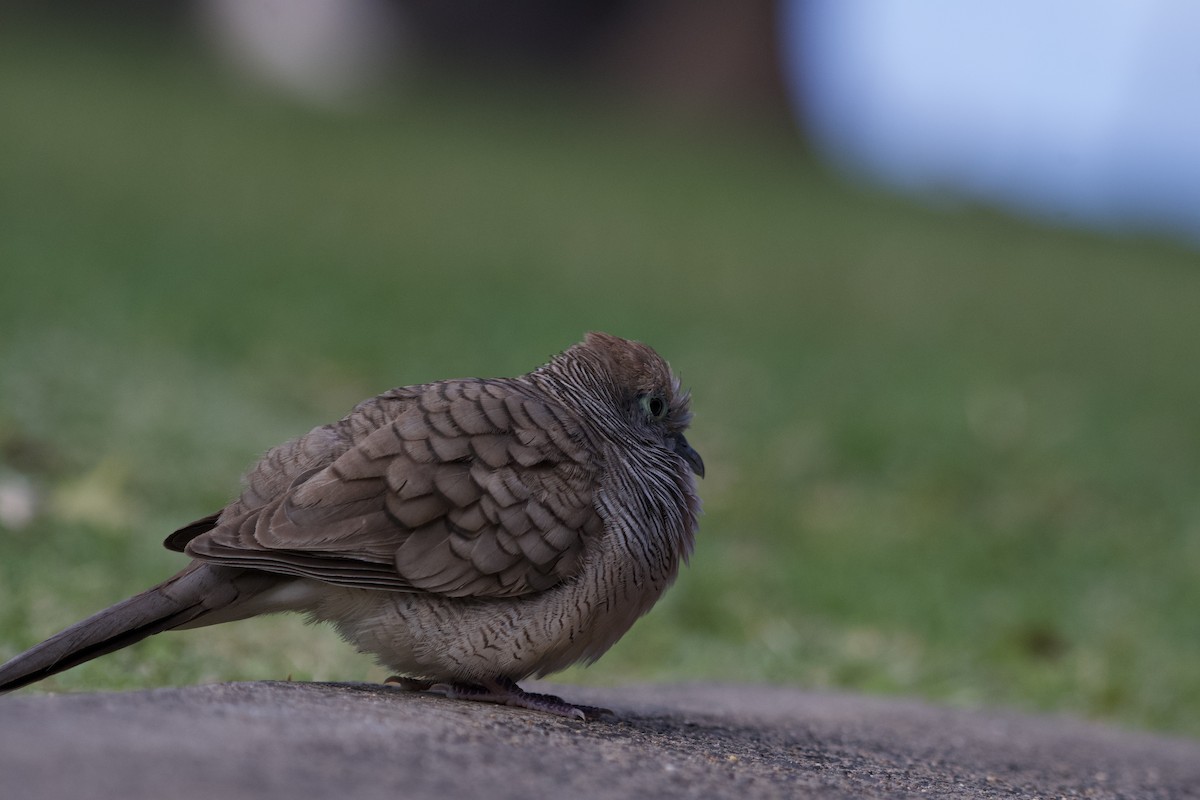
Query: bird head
pixel 640 382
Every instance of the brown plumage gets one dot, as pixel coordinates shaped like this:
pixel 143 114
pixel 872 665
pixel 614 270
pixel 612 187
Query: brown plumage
pixel 468 533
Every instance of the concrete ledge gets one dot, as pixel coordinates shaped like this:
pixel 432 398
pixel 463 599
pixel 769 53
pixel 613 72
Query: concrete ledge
pixel 340 741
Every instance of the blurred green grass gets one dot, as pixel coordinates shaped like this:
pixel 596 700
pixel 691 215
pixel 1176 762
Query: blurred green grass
pixel 950 454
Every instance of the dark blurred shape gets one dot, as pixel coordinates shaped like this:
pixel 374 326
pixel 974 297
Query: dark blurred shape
pixel 148 12
pixel 720 59
pixel 717 58
pixel 714 59
pixel 528 33
pixel 1042 642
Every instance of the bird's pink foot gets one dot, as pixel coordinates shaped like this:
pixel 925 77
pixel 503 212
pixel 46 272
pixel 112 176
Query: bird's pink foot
pixel 503 692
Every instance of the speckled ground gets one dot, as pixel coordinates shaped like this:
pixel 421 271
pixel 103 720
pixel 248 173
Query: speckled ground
pixel 337 741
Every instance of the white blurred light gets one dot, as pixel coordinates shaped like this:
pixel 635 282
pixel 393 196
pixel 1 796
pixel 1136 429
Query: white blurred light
pixel 330 53
pixel 18 502
pixel 1084 109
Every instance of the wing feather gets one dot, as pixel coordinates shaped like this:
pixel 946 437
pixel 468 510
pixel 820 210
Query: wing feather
pixel 466 488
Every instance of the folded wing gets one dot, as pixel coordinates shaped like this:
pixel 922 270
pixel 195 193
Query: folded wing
pixel 475 489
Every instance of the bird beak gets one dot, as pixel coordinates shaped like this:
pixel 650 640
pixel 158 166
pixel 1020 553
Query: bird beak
pixel 685 451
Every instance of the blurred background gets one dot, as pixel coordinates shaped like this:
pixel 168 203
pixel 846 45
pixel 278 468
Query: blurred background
pixel 930 272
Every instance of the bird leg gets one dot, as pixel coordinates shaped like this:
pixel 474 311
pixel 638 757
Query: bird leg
pixel 504 692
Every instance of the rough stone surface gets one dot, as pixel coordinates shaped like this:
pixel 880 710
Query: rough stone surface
pixel 341 741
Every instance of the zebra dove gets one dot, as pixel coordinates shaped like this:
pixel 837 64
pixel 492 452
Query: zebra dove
pixel 467 533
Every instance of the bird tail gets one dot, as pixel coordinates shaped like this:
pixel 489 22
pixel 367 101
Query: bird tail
pixel 199 595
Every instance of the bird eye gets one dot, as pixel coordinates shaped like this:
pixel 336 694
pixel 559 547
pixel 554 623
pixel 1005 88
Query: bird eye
pixel 654 406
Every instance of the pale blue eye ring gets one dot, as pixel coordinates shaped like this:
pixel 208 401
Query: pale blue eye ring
pixel 654 405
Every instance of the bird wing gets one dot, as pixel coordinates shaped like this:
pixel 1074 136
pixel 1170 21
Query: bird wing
pixel 474 489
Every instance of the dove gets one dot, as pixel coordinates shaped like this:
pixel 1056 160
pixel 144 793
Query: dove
pixel 468 534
